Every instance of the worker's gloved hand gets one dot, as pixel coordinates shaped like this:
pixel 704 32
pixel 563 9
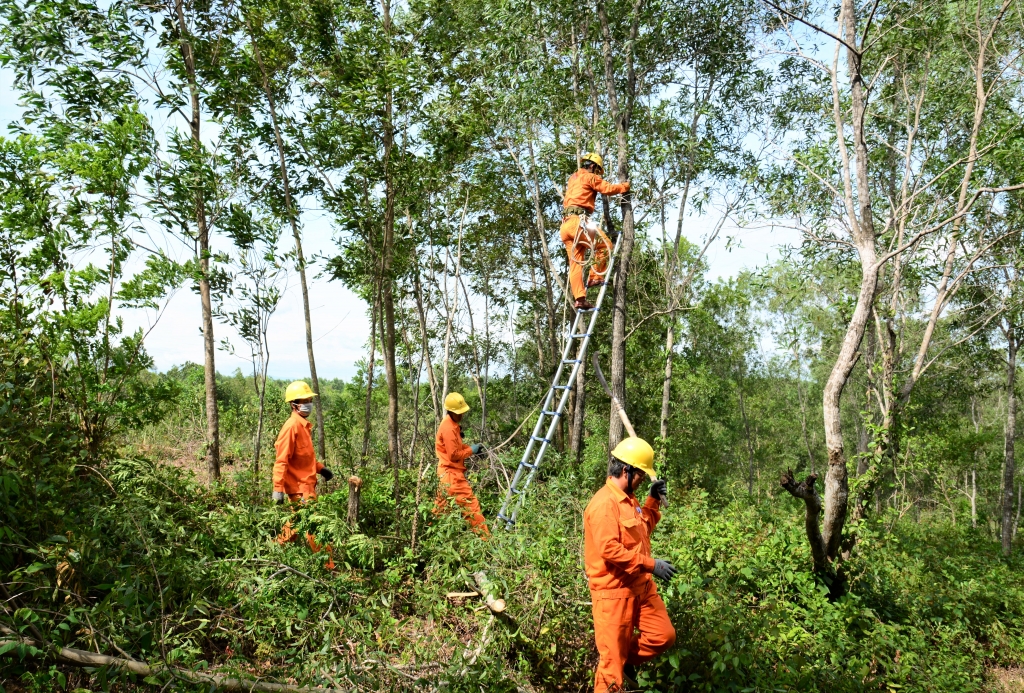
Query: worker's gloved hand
pixel 659 490
pixel 663 570
pixel 477 448
pixel 279 497
pixel 326 473
pixel 627 185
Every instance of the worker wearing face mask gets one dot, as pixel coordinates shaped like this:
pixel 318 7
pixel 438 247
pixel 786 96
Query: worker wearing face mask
pixel 296 467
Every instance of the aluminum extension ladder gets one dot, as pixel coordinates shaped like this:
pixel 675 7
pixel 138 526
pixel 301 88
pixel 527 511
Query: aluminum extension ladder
pixel 538 445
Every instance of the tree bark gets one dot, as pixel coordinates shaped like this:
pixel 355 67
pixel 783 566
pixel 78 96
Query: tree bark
pixel 806 492
pixel 209 346
pixel 388 281
pixel 1009 438
pixel 369 381
pixel 426 347
pixel 300 259
pixel 666 383
pixel 621 117
pixel 578 416
pixel 857 203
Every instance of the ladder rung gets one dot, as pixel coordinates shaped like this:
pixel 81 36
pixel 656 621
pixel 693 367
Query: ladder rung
pixel 587 310
pixel 572 361
pixel 551 413
pixel 542 439
pixel 527 465
pixel 505 519
pixel 560 387
pixel 581 334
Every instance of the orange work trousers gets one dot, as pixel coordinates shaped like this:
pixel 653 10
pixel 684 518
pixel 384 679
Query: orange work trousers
pixel 288 534
pixel 616 620
pixel 453 484
pixel 577 240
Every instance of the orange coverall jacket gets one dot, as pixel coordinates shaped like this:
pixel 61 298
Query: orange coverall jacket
pixel 296 466
pixel 452 453
pixel 617 550
pixel 617 542
pixel 583 186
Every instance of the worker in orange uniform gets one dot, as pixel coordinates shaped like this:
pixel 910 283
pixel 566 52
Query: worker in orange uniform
pixel 296 467
pixel 451 467
pixel 617 552
pixel 578 233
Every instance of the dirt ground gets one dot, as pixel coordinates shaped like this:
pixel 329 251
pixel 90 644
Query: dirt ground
pixel 1006 680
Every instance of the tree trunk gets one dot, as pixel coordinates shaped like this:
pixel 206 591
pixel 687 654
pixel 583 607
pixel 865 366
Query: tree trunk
pixel 666 383
pixel 300 259
pixel 621 117
pixel 388 281
pixel 857 202
pixel 1009 436
pixel 369 381
pixel 209 346
pixel 578 417
pixel 426 347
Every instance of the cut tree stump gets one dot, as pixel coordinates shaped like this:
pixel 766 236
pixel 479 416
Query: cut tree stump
pixel 355 484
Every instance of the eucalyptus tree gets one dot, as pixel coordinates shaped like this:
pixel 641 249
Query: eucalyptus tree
pixel 891 165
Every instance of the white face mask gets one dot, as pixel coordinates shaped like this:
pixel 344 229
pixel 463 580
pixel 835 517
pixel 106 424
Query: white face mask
pixel 304 409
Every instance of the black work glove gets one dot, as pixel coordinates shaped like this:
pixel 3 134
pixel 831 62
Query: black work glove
pixel 477 448
pixel 278 497
pixel 659 490
pixel 326 473
pixel 663 570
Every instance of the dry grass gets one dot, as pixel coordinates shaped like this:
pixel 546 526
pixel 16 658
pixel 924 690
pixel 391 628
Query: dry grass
pixel 1005 680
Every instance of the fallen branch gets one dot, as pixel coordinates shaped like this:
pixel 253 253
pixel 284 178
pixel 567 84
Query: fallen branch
pixel 82 658
pixel 497 606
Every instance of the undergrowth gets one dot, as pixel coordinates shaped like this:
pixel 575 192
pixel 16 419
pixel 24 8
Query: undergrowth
pixel 134 557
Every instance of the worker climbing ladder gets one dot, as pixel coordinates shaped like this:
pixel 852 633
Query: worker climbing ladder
pixel 549 417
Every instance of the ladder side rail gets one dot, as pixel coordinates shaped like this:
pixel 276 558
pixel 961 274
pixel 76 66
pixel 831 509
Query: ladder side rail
pixel 513 489
pixel 582 353
pixel 511 519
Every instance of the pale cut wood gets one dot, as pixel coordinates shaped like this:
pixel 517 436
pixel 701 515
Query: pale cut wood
pixel 484 585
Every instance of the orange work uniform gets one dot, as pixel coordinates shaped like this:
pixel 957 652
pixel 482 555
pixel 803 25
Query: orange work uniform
pixel 617 554
pixel 451 473
pixel 295 471
pixel 581 191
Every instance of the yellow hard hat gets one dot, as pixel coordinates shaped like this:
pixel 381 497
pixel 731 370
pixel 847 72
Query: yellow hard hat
pixel 298 390
pixel 455 403
pixel 636 452
pixel 594 157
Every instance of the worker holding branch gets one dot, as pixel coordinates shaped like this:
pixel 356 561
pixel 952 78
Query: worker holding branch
pixel 296 467
pixel 617 552
pixel 579 233
pixel 452 454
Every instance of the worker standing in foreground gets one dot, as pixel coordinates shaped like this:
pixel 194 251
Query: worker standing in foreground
pixel 577 234
pixel 617 553
pixel 451 467
pixel 296 466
